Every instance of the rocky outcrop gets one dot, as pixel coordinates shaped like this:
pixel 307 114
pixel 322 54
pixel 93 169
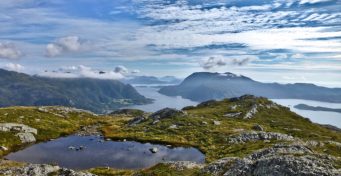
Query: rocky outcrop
pixel 62 111
pixel 183 165
pixel 251 112
pixel 232 114
pixel 26 137
pixel 279 160
pixel 259 136
pixel 167 113
pixel 7 127
pixel 132 112
pixel 41 170
pixel 24 132
pixel 136 120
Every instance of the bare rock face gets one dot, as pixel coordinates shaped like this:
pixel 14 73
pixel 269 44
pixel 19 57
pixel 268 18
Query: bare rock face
pixel 259 136
pixel 26 137
pixel 167 113
pixel 279 160
pixel 7 127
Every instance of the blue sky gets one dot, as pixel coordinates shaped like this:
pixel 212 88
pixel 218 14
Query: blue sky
pixel 268 40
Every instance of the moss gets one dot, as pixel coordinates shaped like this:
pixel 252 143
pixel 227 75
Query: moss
pixel 111 172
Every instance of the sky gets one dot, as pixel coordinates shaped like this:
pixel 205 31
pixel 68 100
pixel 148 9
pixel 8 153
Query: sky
pixel 282 41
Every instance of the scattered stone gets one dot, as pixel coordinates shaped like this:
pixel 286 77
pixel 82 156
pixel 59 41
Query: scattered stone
pixel 124 140
pixel 234 107
pixel 6 114
pixel 154 150
pixel 21 117
pixel 216 122
pixel 155 122
pixel 204 123
pixel 26 137
pixel 173 127
pixel 259 136
pixel 182 165
pixel 3 148
pixel 72 148
pixel 251 112
pixel 233 114
pixel 258 128
pixel 7 127
pixel 167 113
pixel 41 170
pixel 136 121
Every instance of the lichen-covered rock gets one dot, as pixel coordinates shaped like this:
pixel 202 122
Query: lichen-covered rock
pixel 259 136
pixel 167 113
pixel 279 160
pixel 232 114
pixel 6 127
pixel 251 112
pixel 218 167
pixel 26 137
pixel 136 120
pixel 183 165
pixel 41 170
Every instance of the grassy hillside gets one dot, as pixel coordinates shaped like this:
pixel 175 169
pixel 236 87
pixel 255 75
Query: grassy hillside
pixel 209 126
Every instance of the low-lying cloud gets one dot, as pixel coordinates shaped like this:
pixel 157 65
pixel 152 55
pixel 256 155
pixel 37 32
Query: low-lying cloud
pixel 82 71
pixel 9 51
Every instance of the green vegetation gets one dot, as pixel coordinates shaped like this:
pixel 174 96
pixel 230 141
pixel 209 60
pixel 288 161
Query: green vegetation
pixel 50 125
pixel 197 128
pixel 100 96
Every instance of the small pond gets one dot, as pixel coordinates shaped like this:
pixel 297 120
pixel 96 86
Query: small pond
pixel 84 152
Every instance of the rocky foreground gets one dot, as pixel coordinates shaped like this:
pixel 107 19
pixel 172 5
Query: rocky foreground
pixel 240 136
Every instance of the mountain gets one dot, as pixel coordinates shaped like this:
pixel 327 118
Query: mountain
pixel 203 86
pixel 152 80
pixel 18 89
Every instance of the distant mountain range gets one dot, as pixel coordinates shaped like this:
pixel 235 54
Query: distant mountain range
pixel 316 108
pixel 204 86
pixel 18 89
pixel 152 80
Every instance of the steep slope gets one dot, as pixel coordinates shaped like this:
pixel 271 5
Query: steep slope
pixel 204 86
pixel 17 89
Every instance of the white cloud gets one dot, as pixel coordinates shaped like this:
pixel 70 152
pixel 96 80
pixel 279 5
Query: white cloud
pixel 297 56
pixel 135 71
pixel 82 71
pixel 14 67
pixel 121 69
pixel 63 45
pixel 9 51
pixel 313 1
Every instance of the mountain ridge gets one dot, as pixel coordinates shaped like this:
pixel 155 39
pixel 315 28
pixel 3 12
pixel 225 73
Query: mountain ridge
pixel 202 86
pixel 100 96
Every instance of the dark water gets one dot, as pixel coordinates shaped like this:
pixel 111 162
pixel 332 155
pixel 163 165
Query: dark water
pixel 99 153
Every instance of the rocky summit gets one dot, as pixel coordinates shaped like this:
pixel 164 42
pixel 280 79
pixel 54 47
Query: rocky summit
pixel 242 136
